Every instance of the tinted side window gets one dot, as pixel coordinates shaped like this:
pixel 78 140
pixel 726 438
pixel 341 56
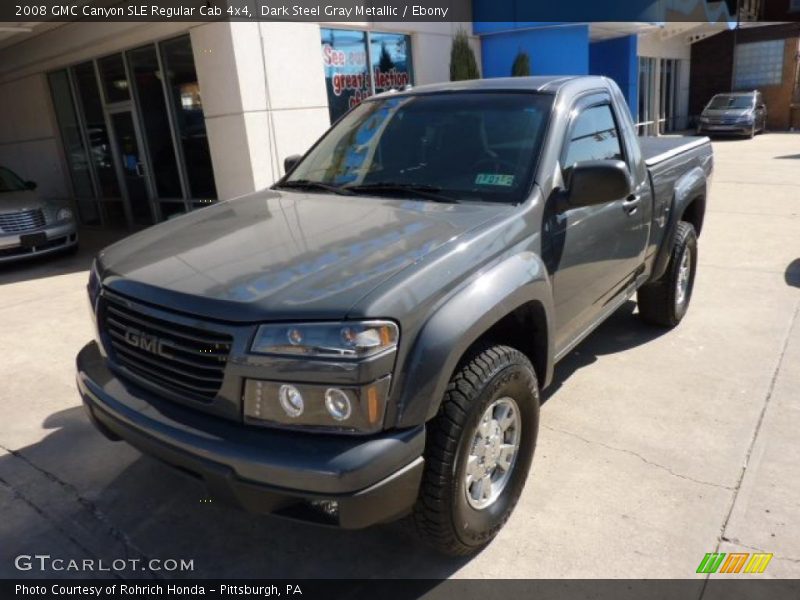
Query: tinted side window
pixel 593 137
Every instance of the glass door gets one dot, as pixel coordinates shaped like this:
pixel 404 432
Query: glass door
pixel 669 93
pixel 128 147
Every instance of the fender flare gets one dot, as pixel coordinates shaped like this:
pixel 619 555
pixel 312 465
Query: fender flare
pixel 461 321
pixel 689 186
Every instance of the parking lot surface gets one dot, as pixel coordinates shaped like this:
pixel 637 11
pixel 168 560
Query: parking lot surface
pixel 656 447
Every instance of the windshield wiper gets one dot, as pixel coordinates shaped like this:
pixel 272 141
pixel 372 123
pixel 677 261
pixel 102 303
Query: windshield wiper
pixel 307 184
pixel 429 192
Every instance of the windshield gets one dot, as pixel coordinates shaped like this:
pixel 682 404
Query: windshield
pixel 460 146
pixel 9 182
pixel 722 102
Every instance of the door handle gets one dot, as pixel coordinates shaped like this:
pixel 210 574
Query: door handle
pixel 139 170
pixel 631 203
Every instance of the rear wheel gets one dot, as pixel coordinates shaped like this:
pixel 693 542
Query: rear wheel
pixel 665 302
pixel 478 451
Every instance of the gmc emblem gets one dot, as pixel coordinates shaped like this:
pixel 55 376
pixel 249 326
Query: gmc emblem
pixel 146 341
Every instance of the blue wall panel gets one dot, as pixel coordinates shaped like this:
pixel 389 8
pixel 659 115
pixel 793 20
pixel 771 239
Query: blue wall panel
pixel 562 50
pixel 648 11
pixel 618 60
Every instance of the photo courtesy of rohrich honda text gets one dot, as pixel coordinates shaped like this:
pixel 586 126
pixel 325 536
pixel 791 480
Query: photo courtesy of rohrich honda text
pixel 293 290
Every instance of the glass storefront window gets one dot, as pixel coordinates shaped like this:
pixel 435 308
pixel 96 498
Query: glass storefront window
pixel 344 57
pixel 146 78
pixel 74 149
pixel 115 82
pixel 96 130
pixel 171 209
pixel 188 109
pixel 390 55
pixel 155 161
pixel 352 73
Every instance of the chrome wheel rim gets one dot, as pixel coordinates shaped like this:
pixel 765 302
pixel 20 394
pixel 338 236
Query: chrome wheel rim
pixel 492 453
pixel 684 274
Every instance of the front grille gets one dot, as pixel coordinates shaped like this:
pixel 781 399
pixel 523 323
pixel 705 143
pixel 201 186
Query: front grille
pixel 23 220
pixel 186 361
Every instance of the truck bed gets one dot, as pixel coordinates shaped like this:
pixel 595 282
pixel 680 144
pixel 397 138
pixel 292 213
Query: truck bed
pixel 659 149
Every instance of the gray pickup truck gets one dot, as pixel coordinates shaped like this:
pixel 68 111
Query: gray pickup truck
pixel 369 338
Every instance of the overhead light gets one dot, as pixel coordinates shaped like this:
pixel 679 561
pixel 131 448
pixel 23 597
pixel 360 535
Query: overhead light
pixel 16 29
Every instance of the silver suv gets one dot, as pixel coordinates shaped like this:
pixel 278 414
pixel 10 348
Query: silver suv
pixel 742 113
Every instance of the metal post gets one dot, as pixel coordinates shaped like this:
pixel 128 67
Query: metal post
pixel 735 38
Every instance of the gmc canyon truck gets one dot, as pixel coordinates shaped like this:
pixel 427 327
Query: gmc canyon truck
pixel 369 338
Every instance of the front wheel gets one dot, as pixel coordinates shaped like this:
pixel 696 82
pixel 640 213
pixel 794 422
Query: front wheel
pixel 665 302
pixel 478 451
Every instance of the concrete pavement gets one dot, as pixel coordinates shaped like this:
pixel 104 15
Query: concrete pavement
pixel 655 447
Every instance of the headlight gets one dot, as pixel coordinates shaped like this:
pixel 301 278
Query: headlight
pixel 747 118
pixel 327 340
pixel 64 214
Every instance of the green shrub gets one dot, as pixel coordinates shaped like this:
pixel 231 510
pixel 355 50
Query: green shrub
pixel 522 65
pixel 462 59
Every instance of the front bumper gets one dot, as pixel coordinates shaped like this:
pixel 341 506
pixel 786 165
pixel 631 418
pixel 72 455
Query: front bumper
pixel 734 128
pixel 297 475
pixel 59 237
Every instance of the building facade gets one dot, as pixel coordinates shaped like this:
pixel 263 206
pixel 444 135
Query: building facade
pixel 138 122
pixel 764 58
pixel 651 62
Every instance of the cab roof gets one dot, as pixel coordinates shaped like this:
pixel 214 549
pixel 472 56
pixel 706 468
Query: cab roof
pixel 541 83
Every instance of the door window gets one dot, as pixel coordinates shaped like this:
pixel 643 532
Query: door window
pixel 594 136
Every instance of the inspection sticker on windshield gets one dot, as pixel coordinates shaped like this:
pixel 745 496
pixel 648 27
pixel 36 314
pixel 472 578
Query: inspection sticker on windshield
pixel 494 179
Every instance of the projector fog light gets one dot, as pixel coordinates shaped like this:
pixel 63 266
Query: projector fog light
pixel 291 400
pixel 338 404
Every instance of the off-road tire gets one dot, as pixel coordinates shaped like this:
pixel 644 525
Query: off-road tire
pixel 442 515
pixel 657 300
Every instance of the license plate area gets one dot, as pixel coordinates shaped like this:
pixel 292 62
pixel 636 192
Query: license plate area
pixel 33 239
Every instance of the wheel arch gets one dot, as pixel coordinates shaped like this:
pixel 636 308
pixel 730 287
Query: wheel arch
pixel 688 204
pixel 498 306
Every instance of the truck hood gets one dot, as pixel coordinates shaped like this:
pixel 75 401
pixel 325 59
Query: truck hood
pixel 282 255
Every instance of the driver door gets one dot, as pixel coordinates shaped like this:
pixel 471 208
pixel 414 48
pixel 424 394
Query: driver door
pixel 596 249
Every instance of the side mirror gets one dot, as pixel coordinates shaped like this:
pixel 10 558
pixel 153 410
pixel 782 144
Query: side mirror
pixel 290 162
pixel 597 182
pixel 30 185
